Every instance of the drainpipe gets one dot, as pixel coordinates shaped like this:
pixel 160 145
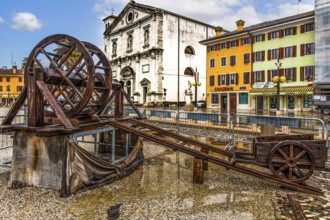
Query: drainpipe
pixel 178 64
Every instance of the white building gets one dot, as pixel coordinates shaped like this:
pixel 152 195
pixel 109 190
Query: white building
pixel 322 42
pixel 155 53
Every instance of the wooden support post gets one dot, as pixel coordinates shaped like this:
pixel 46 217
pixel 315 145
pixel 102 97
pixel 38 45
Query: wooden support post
pixel 119 107
pixel 205 162
pixel 35 98
pixel 198 173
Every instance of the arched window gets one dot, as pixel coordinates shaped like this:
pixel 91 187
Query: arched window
pixel 189 50
pixel 189 71
pixel 130 42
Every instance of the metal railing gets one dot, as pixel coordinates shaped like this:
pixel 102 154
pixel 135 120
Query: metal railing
pixel 236 128
pixel 6 141
pixel 249 125
pixel 246 126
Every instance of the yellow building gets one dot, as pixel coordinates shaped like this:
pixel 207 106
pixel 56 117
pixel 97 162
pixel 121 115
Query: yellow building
pixel 11 85
pixel 228 69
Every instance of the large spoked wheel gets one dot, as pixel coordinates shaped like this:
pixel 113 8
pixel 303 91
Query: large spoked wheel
pixel 69 71
pixel 103 80
pixel 291 160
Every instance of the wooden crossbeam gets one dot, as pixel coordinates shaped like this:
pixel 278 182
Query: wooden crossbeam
pixel 54 105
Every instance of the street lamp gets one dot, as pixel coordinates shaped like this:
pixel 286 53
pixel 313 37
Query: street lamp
pixel 196 84
pixel 164 94
pixel 278 79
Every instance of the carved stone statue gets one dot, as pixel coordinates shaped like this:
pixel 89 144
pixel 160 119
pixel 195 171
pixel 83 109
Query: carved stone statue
pixel 114 48
pixel 189 88
pixel 146 37
pixel 129 42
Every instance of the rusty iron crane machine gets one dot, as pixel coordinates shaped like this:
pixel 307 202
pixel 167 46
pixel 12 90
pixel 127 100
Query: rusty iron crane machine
pixel 69 88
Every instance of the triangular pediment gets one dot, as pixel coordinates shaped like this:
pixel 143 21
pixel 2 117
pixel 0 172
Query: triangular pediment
pixel 130 15
pixel 145 82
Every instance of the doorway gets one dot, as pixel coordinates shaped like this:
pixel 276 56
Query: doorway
pixel 233 102
pixel 260 103
pixel 145 91
pixel 290 102
pixel 129 88
pixel 224 102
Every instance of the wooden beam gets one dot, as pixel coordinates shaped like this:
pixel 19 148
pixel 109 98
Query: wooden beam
pixel 198 173
pixel 119 105
pixel 35 99
pixel 54 105
pixel 132 104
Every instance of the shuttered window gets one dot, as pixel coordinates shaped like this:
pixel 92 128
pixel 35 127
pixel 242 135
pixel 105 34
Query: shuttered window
pixel 246 77
pixel 212 80
pixel 234 79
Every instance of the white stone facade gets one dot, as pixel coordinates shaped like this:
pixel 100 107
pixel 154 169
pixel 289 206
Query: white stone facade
pixel 153 51
pixel 322 41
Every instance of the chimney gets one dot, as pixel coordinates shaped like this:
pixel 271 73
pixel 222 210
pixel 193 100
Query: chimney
pixel 218 31
pixel 240 25
pixel 14 69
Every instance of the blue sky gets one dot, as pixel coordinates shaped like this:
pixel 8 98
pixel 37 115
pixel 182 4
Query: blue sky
pixel 23 23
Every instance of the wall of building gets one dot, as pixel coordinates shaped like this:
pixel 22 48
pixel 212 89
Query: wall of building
pixel 322 41
pixel 189 35
pixel 218 70
pixel 300 38
pixel 155 66
pixel 11 85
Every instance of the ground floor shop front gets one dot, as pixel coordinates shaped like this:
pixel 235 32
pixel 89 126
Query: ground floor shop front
pixel 229 101
pixel 292 99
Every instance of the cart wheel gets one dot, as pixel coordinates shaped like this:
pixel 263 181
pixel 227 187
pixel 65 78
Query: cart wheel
pixel 326 110
pixel 69 71
pixel 291 160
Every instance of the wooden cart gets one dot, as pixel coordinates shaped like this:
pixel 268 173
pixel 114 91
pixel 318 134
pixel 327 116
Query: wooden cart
pixel 291 157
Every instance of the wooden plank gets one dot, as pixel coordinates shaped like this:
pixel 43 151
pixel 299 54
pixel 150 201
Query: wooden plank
pixel 198 173
pixel 35 99
pixel 54 105
pixel 284 137
pixel 39 75
pixel 105 109
pixel 119 105
pixel 132 104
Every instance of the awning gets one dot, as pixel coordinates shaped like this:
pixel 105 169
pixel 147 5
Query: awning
pixel 301 90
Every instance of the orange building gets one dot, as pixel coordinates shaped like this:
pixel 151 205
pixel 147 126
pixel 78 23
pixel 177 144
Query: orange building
pixel 11 85
pixel 228 69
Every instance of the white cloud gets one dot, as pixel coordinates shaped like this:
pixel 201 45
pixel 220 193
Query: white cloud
pixel 287 9
pixel 2 20
pixel 222 13
pixel 25 21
